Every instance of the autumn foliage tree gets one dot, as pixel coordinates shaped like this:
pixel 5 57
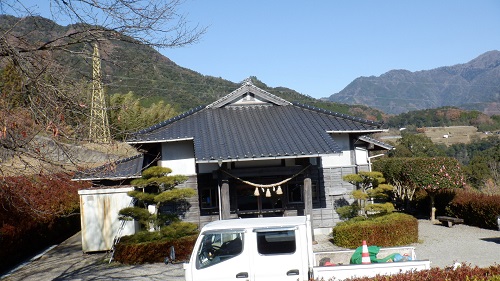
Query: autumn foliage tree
pixel 431 174
pixel 41 209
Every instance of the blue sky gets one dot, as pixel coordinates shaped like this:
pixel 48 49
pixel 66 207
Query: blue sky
pixel 318 47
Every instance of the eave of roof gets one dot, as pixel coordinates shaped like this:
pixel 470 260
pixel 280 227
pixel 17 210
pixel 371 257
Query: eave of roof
pixel 340 115
pixel 355 131
pixel 378 143
pixel 228 160
pixel 126 168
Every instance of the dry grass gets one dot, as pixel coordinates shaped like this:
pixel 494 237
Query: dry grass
pixel 453 135
pixel 442 135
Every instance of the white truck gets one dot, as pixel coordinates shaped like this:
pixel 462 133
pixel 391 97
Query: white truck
pixel 278 248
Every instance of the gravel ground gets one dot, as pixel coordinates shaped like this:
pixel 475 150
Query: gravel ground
pixel 443 246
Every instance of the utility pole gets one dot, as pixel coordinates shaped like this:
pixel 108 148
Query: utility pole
pixel 99 126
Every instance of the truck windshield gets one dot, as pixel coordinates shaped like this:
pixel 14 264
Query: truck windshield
pixel 218 247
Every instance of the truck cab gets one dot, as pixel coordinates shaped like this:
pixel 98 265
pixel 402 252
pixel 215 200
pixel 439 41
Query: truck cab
pixel 252 249
pixel 279 248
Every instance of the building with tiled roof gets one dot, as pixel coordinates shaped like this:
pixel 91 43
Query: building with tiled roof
pixel 253 154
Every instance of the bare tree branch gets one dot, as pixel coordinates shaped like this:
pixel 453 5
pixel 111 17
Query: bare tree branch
pixel 156 23
pixel 42 97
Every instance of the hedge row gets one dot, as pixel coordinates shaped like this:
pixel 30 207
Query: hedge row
pixel 464 272
pixel 155 251
pixel 475 208
pixel 395 229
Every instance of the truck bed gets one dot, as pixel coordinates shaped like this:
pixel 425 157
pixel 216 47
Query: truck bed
pixel 343 269
pixel 341 272
pixel 343 257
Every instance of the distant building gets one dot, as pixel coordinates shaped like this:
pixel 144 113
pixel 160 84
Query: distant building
pixel 252 154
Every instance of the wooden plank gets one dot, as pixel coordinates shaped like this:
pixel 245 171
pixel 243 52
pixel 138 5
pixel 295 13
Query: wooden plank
pixel 308 204
pixel 224 190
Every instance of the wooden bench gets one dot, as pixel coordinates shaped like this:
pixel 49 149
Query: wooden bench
pixel 449 221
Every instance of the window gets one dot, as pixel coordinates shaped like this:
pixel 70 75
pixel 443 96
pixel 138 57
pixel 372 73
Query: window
pixel 218 247
pixel 314 191
pixel 208 198
pixel 276 242
pixel 208 194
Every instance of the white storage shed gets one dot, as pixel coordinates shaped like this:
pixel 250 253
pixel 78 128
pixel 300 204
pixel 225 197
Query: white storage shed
pixel 99 217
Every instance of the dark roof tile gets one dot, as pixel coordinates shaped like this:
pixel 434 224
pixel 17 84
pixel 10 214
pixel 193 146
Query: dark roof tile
pixel 122 169
pixel 257 131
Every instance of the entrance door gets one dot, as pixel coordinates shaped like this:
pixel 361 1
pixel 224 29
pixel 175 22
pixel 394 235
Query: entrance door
pixel 266 203
pixel 247 203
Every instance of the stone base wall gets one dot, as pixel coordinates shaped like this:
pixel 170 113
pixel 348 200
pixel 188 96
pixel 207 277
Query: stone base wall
pixel 335 193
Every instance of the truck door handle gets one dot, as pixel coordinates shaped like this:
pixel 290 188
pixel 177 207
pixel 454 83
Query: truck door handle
pixel 292 272
pixel 242 275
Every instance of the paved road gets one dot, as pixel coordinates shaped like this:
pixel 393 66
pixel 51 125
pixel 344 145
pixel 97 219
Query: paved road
pixel 68 262
pixel 441 245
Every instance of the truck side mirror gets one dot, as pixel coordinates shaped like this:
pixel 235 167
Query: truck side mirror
pixel 171 256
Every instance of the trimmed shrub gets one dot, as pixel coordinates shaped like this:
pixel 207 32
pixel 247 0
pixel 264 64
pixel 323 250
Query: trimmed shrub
pixel 151 247
pixel 464 272
pixel 348 212
pixel 477 209
pixel 155 251
pixel 382 208
pixel 394 229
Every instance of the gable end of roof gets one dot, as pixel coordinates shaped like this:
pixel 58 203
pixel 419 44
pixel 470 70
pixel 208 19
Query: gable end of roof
pixel 248 87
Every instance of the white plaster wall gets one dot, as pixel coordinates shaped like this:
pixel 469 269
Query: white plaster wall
pixel 178 156
pixel 336 160
pixel 342 140
pixel 248 98
pixel 361 156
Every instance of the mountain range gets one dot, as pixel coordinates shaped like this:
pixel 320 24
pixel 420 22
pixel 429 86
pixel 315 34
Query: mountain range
pixel 474 85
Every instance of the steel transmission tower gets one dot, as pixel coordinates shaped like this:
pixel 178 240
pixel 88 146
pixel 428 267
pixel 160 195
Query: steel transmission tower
pixel 99 126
